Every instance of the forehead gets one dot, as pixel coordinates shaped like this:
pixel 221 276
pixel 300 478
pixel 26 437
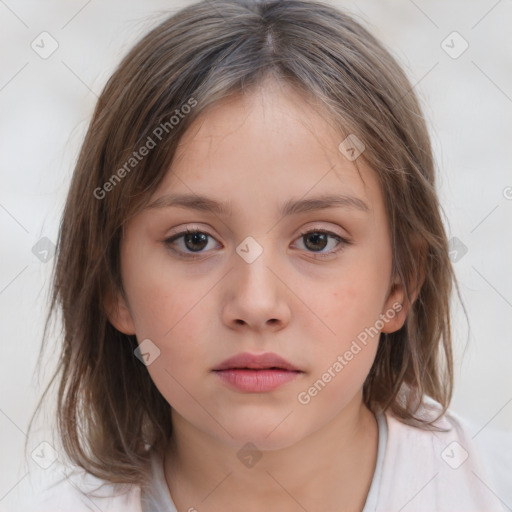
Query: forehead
pixel 267 147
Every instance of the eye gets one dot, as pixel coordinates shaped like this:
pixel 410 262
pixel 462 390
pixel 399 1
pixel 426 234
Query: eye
pixel 192 240
pixel 317 240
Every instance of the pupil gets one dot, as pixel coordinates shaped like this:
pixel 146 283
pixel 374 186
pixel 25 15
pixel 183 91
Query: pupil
pixel 317 238
pixel 196 238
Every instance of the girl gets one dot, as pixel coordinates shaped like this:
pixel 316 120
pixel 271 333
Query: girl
pixel 254 279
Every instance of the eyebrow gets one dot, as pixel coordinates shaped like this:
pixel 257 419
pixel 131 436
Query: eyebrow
pixel 290 207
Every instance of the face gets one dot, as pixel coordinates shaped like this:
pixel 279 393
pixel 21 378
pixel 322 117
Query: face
pixel 260 277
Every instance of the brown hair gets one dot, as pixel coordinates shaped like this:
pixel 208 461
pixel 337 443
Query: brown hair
pixel 108 409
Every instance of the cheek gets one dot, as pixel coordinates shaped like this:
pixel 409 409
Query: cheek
pixel 353 301
pixel 160 298
pixel 168 308
pixel 181 334
pixel 173 323
pixel 350 308
pixel 344 356
pixel 169 317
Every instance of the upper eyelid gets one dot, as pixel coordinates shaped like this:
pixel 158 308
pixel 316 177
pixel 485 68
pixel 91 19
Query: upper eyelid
pixel 315 227
pixel 197 229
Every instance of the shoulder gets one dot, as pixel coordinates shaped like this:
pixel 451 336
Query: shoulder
pixel 63 489
pixel 443 470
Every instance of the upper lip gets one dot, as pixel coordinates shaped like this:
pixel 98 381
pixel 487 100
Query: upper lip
pixel 256 362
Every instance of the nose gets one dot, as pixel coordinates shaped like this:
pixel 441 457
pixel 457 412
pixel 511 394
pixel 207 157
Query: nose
pixel 255 296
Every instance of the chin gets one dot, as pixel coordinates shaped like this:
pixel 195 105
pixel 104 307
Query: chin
pixel 265 435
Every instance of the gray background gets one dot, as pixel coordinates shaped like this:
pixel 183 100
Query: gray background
pixel 46 104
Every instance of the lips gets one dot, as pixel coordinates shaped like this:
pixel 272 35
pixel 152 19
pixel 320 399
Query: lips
pixel 256 373
pixel 249 361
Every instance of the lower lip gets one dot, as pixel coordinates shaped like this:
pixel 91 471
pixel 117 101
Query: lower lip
pixel 256 381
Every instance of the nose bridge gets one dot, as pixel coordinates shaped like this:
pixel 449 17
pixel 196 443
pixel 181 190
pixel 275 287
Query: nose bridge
pixel 255 293
pixel 254 257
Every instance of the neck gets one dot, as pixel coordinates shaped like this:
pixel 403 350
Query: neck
pixel 330 469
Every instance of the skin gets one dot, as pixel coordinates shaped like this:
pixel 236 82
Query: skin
pixel 258 151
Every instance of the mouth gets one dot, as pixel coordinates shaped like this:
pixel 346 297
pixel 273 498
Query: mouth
pixel 248 361
pixel 256 373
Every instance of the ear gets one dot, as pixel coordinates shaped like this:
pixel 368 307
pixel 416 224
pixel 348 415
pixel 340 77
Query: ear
pixel 118 313
pixel 397 303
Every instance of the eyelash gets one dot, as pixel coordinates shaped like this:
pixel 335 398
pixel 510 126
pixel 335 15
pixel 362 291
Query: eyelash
pixel 192 256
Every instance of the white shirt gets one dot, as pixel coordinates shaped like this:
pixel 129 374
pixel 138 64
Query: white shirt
pixel 416 471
